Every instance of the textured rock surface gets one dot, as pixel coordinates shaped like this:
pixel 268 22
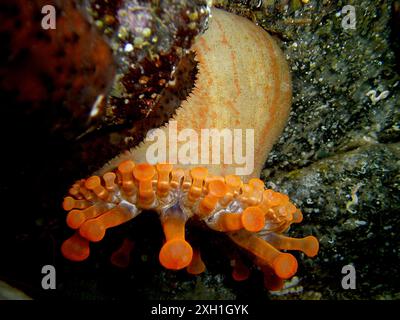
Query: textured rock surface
pixel 339 155
pixel 351 203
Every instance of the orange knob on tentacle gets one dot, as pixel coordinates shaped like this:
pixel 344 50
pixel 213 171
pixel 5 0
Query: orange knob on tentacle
pixel 176 253
pixel 258 188
pixel 271 280
pixel 229 222
pixel 176 178
pixel 198 175
pixel 74 191
pixel 284 212
pixel 253 219
pixel 109 180
pixel 87 194
pixel 283 264
pixel 144 173
pixel 297 216
pixel 240 271
pixel 197 265
pixel 125 170
pixel 281 217
pixel 75 248
pixel 71 203
pixel 233 184
pixel 94 184
pixel 216 190
pixel 309 245
pixel 273 199
pixel 246 195
pixel 76 218
pixel 186 181
pixel 95 229
pixel 213 178
pixel 163 185
pixel 265 204
pixel 121 257
pixel 279 210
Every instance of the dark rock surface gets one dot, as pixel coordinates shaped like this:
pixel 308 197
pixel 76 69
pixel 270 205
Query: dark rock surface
pixel 338 158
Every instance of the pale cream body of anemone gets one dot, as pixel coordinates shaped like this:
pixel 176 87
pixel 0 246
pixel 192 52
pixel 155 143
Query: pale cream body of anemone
pixel 243 83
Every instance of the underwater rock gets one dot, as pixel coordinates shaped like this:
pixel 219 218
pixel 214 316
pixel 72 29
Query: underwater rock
pixel 51 79
pixel 351 203
pixel 345 83
pixel 395 26
pixel 338 155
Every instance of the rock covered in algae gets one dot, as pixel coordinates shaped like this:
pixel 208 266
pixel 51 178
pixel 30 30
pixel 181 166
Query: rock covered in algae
pixel 351 201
